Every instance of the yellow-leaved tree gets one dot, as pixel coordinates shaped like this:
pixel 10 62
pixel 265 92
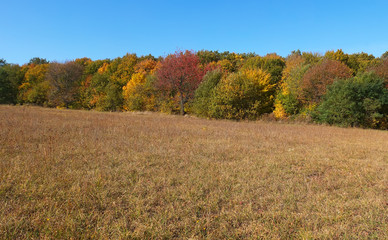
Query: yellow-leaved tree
pixel 35 88
pixel 246 94
pixel 121 69
pixel 139 93
pixel 286 102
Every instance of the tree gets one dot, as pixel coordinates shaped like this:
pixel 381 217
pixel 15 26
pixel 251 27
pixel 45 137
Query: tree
pixel 139 93
pixel 292 61
pixel 34 88
pixel 359 101
pixel 206 57
pixel 146 66
pixel 86 91
pixel 318 77
pixel 338 55
pixel 2 62
pixel 287 102
pixel 37 61
pixel 311 58
pixel 64 80
pixel 361 62
pixel 83 61
pixel 121 69
pixel 11 76
pixel 384 55
pixel 273 64
pixel 246 94
pixel 205 92
pixel 180 74
pixel 382 70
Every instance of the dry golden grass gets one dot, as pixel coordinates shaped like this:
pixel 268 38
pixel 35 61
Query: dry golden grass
pixel 78 174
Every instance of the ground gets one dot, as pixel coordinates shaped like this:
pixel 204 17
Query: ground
pixel 85 174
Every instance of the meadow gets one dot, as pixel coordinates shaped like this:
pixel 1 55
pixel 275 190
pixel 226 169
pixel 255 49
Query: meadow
pixel 74 174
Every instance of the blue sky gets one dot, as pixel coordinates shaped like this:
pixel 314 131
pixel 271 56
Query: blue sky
pixel 64 30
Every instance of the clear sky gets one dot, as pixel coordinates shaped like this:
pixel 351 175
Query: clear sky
pixel 65 29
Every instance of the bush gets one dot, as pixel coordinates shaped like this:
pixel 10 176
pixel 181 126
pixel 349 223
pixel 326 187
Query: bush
pixel 359 101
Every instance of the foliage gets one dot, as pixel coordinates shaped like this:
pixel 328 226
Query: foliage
pixel 106 95
pixel 272 64
pixel 37 61
pixel 11 76
pixel 361 62
pixel 359 101
pixel 296 84
pixel 34 88
pixel 139 93
pixel 146 66
pixel 3 62
pixel 234 59
pixel 287 102
pixel 205 92
pixel 382 71
pixel 121 69
pixel 64 80
pixel 243 95
pixel 86 92
pixel 311 58
pixel 206 56
pixel 318 77
pixel 338 55
pixel 179 75
pixel 113 98
pixel 384 55
pixel 84 62
pixel 292 61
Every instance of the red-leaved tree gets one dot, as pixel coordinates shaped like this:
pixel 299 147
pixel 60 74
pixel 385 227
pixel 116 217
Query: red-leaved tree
pixel 180 73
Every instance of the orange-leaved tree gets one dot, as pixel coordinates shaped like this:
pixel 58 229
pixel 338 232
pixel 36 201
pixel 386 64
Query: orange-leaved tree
pixel 382 71
pixel 318 77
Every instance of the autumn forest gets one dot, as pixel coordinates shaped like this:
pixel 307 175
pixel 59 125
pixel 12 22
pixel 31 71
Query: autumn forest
pixel 334 88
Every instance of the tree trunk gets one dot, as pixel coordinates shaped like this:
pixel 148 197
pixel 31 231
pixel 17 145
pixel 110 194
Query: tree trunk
pixel 182 103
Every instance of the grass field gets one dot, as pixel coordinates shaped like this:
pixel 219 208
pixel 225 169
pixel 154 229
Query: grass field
pixel 78 174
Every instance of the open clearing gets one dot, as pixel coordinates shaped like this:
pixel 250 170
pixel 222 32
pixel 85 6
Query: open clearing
pixel 80 174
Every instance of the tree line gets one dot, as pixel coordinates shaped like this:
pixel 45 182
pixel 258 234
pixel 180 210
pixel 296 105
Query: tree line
pixel 335 88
